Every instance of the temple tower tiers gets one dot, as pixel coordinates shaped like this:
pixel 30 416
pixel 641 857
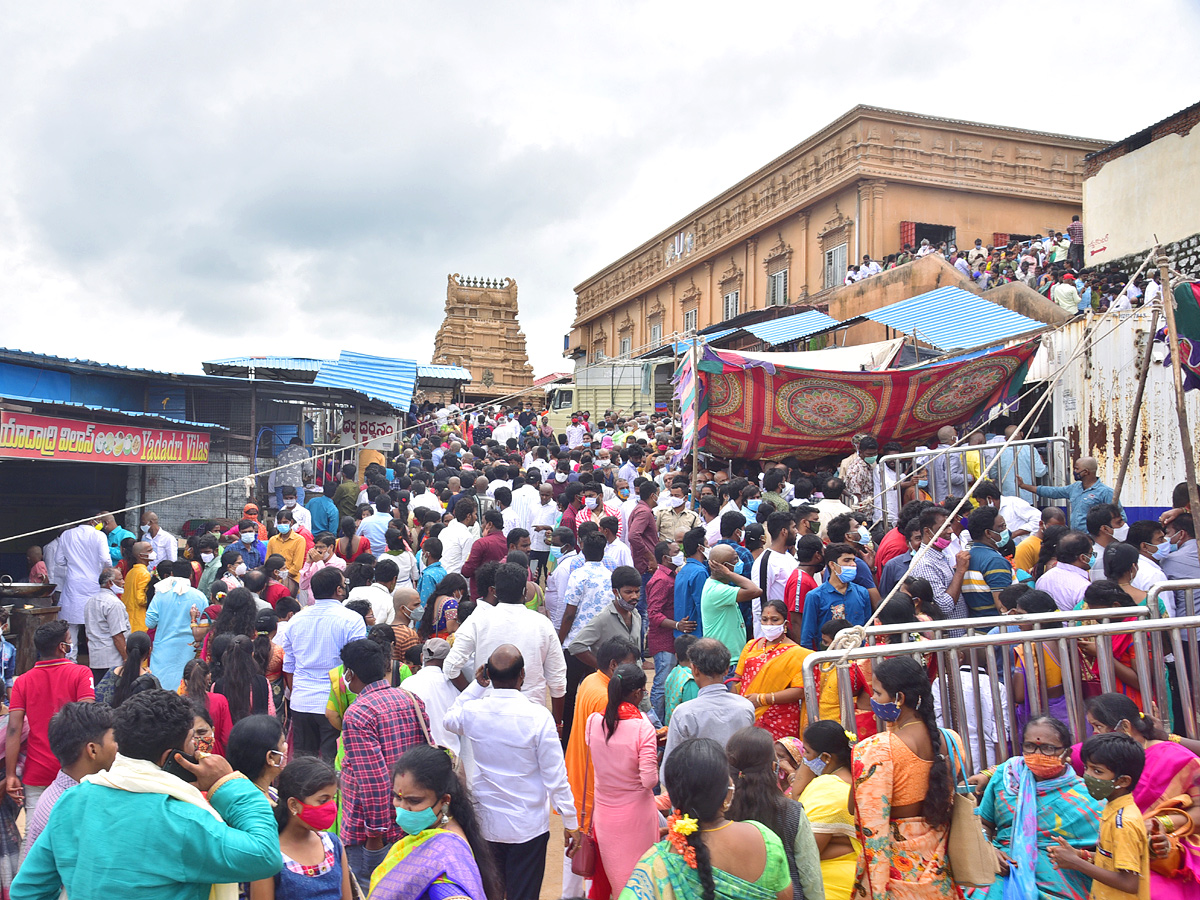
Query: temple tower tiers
pixel 481 333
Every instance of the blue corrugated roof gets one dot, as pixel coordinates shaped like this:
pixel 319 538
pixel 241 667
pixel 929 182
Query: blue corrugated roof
pixel 457 373
pixel 128 413
pixel 27 356
pixel 290 363
pixel 791 328
pixel 952 319
pixel 381 378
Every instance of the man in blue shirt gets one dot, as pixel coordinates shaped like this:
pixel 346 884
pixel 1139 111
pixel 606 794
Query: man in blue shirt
pixel 988 573
pixel 689 581
pixel 323 511
pixel 115 534
pixel 837 598
pixel 1085 492
pixel 374 527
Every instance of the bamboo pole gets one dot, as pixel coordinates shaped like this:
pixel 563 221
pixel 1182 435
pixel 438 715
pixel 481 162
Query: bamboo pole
pixel 1131 434
pixel 1185 431
pixel 695 351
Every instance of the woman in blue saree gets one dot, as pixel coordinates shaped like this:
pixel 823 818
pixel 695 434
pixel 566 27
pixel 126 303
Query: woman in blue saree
pixel 706 857
pixel 1030 800
pixel 443 855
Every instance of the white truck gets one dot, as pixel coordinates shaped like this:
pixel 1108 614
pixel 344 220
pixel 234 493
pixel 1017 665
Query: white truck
pixel 622 385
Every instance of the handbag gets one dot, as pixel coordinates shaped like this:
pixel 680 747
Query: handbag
pixel 583 863
pixel 972 858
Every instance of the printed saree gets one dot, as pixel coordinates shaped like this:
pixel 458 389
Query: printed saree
pixel 663 875
pixel 1171 780
pixel 433 865
pixel 763 670
pixel 902 859
pixel 1028 814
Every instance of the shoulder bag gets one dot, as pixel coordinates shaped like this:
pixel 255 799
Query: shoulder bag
pixel 583 863
pixel 972 858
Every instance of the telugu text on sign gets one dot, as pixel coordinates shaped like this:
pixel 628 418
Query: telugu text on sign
pixel 26 436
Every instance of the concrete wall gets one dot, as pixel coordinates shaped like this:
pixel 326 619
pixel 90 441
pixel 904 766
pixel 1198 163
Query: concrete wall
pixel 166 481
pixel 1151 192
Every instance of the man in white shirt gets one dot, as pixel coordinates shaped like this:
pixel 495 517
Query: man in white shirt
pixel 457 537
pixel 423 498
pixel 976 692
pixel 525 497
pixel 300 514
pixel 617 553
pixel 576 434
pixel 869 267
pixel 510 622
pixel 434 688
pixel 830 506
pixel 779 562
pixel 163 543
pixel 1153 289
pixel 541 523
pixel 379 592
pixel 500 479
pixel 81 561
pixel 519 770
pixel 562 540
pixel 106 622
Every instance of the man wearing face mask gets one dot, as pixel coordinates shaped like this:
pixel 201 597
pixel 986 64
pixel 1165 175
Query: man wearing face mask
pixel 210 562
pixel 222 818
pixel 595 509
pixel 253 550
pixel 1105 526
pixel 377 728
pixel 838 598
pixel 164 543
pixel 1181 562
pixel 301 516
pixel 106 623
pixel 672 516
pixel 1086 491
pixel 81 554
pixel 559 567
pixel 619 618
pixel 860 476
pixel 660 611
pixel 137 581
pixel 988 572
pixel 288 544
pixel 932 565
pixel 1151 540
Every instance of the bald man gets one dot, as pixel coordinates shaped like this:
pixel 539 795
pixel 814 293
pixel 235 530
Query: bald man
pixel 137 580
pixel 519 766
pixel 719 600
pixel 407 603
pixel 1086 491
pixel 165 544
pixel 945 472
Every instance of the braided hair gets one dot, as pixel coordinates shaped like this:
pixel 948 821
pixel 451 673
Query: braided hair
pixel 696 775
pixel 904 675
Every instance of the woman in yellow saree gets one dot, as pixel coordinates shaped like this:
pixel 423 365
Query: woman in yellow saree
pixel 443 855
pixel 771 673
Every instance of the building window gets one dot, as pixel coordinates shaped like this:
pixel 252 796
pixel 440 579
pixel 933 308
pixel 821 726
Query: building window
pixel 731 304
pixel 656 335
pixel 598 356
pixel 689 321
pixel 777 289
pixel 626 347
pixel 835 266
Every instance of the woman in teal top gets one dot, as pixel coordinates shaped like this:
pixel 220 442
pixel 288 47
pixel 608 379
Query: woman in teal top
pixel 706 857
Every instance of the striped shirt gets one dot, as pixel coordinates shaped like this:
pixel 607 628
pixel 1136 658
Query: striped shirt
pixel 936 569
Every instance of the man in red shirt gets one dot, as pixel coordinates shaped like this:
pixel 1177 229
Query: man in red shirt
pixel 660 609
pixel 643 531
pixel 53 682
pixel 810 556
pixel 492 546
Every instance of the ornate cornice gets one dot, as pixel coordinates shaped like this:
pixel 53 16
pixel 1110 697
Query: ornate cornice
pixel 690 296
pixel 780 253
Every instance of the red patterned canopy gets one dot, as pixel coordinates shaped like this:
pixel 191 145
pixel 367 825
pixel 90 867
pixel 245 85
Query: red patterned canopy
pixel 754 411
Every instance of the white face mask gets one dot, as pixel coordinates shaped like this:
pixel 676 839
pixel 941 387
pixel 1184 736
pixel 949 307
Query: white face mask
pixel 772 632
pixel 678 560
pixel 145 529
pixel 589 502
pixel 1121 533
pixel 207 557
pixel 289 503
pixel 560 477
pixel 240 569
pixel 117 589
pixel 676 502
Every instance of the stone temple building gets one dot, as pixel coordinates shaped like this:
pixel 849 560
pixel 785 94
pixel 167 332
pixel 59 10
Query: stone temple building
pixel 481 333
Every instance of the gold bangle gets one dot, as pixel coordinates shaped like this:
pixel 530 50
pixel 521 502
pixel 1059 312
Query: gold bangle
pixel 1167 823
pixel 1174 738
pixel 772 703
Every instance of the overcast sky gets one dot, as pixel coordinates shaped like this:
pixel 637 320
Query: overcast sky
pixel 188 181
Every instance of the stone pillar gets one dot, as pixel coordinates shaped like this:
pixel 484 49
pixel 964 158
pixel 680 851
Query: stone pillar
pixel 877 236
pixel 866 238
pixel 751 274
pixel 802 256
pixel 715 307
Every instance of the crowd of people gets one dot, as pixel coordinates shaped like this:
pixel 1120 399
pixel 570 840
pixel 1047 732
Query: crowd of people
pixel 1052 265
pixel 388 680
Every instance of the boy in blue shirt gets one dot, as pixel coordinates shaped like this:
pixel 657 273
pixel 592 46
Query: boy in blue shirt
pixel 837 598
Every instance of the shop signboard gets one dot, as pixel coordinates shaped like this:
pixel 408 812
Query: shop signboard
pixel 379 432
pixel 26 436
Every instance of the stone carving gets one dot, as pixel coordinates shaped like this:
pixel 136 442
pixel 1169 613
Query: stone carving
pixel 778 256
pixel 1028 153
pixel 691 295
pixel 969 146
pixel 906 137
pixel 655 309
pixel 626 323
pixel 732 274
pixel 490 343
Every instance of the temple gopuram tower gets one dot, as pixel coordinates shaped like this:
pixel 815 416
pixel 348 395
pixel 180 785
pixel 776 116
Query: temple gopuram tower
pixel 481 334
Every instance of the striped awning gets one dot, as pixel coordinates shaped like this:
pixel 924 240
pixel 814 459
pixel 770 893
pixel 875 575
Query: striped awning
pixel 953 319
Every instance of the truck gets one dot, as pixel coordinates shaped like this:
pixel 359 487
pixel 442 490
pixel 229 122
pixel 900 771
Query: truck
pixel 623 385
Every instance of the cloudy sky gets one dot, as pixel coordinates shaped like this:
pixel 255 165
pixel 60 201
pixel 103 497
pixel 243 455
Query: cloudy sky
pixel 186 181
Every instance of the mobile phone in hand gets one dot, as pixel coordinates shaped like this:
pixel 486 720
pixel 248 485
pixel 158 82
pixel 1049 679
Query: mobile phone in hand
pixel 172 765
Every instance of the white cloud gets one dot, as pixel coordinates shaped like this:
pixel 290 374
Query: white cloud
pixel 187 181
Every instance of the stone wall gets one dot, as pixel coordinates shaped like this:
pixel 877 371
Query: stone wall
pixel 1184 256
pixel 167 481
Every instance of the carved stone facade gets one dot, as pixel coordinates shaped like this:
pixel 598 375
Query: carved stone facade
pixel 481 333
pixel 857 182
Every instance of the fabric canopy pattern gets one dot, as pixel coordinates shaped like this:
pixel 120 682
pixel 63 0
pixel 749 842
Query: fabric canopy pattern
pixel 1187 322
pixel 754 409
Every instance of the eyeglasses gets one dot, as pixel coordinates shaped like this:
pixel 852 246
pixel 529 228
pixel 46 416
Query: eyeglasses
pixel 1041 749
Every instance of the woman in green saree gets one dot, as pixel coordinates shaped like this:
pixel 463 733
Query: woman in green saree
pixel 705 856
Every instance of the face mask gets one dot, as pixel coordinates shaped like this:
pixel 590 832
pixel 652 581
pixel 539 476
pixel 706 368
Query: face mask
pixel 864 536
pixel 816 765
pixel 1121 533
pixel 1044 766
pixel 589 502
pixel 204 744
pixel 1162 550
pixel 207 557
pixel 283 527
pixel 145 529
pixel 923 483
pixel 556 552
pixel 941 543
pixel 888 712
pixel 752 505
pixel 414 821
pixel 248 537
pixel 1099 788
pixel 117 589
pixel 870 460
pixel 1003 538
pixel 1079 476
pixel 628 607
pixel 151 560
pixel 847 573
pixel 318 818
pixel 240 569
pixel 772 632
pixel 289 503
pixel 676 502
pixel 1093 559
pixel 624 495
pixel 560 477
pixel 678 560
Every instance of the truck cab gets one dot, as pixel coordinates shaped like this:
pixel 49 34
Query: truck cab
pixel 560 401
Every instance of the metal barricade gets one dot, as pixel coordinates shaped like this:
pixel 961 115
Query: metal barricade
pixel 927 460
pixel 339 455
pixel 987 655
pixel 1182 659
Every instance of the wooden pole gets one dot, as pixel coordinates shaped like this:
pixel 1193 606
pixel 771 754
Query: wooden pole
pixel 1185 431
pixel 1132 430
pixel 675 427
pixel 695 351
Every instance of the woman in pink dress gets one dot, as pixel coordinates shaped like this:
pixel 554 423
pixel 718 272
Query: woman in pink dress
pixel 623 750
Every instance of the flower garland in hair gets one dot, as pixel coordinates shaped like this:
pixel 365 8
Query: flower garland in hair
pixel 679 826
